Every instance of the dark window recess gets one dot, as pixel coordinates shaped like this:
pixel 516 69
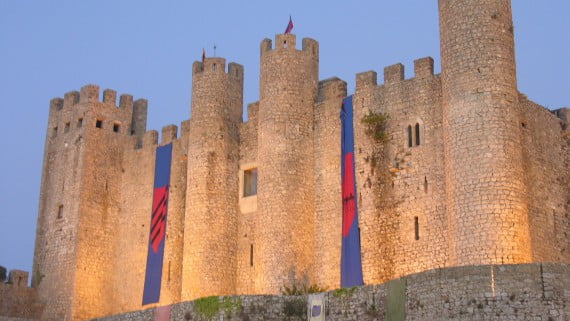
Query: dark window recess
pixel 250 182
pixel 116 127
pixel 417 134
pixel 214 67
pixel 60 211
pixel 79 122
pixel 251 255
pixel 425 184
pixel 417 228
pixel 54 132
pixel 99 123
pixel 66 128
pixel 285 44
pixel 410 141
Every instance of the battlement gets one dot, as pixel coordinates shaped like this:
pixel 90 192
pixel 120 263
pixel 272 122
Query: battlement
pixel 423 68
pixel 287 42
pixel 333 87
pixel 217 65
pixel 252 110
pixel 367 78
pixel 90 94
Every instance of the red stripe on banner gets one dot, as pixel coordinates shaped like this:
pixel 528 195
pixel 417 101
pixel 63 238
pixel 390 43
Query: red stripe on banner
pixel 158 221
pixel 348 208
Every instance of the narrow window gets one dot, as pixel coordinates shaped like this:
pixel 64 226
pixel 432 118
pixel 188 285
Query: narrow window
pixel 79 122
pixel 99 123
pixel 116 127
pixel 425 184
pixel 66 128
pixel 214 67
pixel 410 136
pixel 251 255
pixel 168 271
pixel 54 132
pixel 250 182
pixel 417 134
pixel 60 211
pixel 417 228
pixel 285 44
pixel 19 280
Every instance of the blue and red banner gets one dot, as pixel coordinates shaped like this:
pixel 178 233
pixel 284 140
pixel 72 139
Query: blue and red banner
pixel 350 261
pixel 151 293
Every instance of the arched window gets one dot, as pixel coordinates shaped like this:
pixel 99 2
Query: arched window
pixel 417 134
pixel 410 140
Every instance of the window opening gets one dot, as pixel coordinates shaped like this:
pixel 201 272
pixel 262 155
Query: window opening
pixel 60 211
pixel 250 182
pixel 251 255
pixel 409 136
pixel 54 132
pixel 416 228
pixel 99 123
pixel 79 122
pixel 417 134
pixel 214 67
pixel 66 128
pixel 116 127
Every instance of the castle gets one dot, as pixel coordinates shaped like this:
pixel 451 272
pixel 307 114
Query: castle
pixel 471 173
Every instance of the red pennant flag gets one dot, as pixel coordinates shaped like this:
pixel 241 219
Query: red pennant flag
pixel 289 26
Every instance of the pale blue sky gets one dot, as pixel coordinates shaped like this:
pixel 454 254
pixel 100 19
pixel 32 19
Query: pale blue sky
pixel 146 48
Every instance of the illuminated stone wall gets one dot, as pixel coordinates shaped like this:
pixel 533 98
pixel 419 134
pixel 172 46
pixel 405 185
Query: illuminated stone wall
pixel 468 172
pixel 500 292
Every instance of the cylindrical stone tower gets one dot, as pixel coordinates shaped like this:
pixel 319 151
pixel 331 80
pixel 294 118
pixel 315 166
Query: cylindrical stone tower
pixel 285 195
pixel 486 201
pixel 210 234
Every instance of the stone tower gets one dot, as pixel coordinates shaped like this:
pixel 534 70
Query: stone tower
pixel 284 228
pixel 210 236
pixel 79 200
pixel 486 201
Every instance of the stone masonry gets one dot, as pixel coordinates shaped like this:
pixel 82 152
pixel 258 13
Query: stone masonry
pixel 470 172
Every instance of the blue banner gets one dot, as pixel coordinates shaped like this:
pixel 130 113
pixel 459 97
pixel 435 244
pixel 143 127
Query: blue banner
pixel 350 261
pixel 151 293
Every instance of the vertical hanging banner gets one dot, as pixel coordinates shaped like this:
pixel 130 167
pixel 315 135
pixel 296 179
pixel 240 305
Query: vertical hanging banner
pixel 151 293
pixel 350 261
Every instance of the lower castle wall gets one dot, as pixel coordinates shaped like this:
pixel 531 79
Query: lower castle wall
pixel 487 292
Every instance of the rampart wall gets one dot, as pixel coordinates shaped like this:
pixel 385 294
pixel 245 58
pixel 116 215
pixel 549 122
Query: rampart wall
pixel 487 292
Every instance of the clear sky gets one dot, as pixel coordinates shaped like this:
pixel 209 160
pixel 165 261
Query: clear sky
pixel 146 48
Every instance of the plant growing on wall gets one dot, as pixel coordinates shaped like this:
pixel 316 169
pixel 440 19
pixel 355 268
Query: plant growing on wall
pixel 376 126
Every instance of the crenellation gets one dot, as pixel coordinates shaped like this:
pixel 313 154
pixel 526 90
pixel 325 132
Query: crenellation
pixel 331 88
pixel 252 111
pixel 366 79
pixel 150 138
pixel 235 70
pixel 70 99
pixel 169 133
pixel 126 101
pixel 423 67
pixel 89 94
pixel 185 128
pixel 110 97
pixel 393 73
pixel 55 104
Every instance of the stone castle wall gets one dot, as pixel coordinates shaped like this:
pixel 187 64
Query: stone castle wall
pixel 488 292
